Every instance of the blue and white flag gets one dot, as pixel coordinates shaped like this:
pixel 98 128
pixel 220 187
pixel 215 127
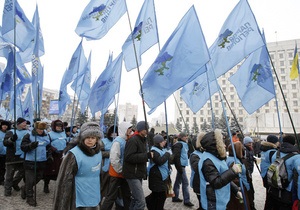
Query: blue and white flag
pixel 238 37
pixel 16 28
pixel 98 17
pixel 27 108
pixel 253 81
pixel 181 58
pixel 196 93
pixel 143 36
pixel 37 82
pixel 106 87
pixel 82 86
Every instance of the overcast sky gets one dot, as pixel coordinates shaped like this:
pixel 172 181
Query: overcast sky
pixel 58 20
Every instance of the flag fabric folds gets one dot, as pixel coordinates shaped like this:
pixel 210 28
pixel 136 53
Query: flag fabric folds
pixel 196 93
pixel 238 37
pixel 27 108
pixel 143 36
pixel 182 56
pixel 36 47
pixel 16 28
pixel 63 100
pixel 37 82
pixel 98 17
pixel 106 87
pixel 295 66
pixel 253 81
pixel 82 86
pixel 6 79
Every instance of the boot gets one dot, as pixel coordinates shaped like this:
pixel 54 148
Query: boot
pixel 46 188
pixel 31 201
pixel 16 187
pixel 7 193
pixel 23 192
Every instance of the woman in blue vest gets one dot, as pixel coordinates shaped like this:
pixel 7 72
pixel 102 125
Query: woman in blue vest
pixel 34 145
pixel 159 174
pixel 4 127
pixel 78 181
pixel 58 142
pixel 215 176
pixel 194 162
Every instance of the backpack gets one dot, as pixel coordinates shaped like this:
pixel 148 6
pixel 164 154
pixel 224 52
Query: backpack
pixel 277 174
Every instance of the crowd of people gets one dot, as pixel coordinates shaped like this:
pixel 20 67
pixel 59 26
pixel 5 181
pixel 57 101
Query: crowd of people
pixel 96 170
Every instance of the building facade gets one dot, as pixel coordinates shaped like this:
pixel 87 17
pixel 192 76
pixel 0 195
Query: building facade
pixel 265 120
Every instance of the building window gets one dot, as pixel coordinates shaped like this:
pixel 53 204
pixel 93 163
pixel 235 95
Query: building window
pixel 267 111
pixel 296 110
pixel 240 104
pixel 216 97
pixel 281 63
pixel 187 112
pixel 240 111
pixel 280 55
pixel 217 112
pixel 241 119
pixel 231 89
pixel 231 97
pixel 232 104
pixel 295 103
pixel 201 119
pixel 283 87
pixel 291 55
pixel 216 104
pixel 282 70
pixel 187 119
pixel 180 105
pixel 294 95
pixel 194 119
pixel 201 112
pixel 272 56
pixel 209 119
pixel 223 82
pixel 294 86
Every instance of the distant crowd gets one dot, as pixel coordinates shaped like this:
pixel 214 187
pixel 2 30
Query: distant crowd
pixel 96 170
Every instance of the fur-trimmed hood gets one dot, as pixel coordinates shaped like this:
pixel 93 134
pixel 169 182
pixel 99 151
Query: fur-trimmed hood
pixel 197 141
pixel 212 142
pixel 265 146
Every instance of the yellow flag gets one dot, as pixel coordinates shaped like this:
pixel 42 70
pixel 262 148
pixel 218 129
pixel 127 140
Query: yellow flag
pixel 295 66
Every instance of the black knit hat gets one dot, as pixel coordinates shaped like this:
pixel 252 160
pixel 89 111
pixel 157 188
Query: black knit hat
pixel 20 120
pixel 272 139
pixel 142 126
pixel 289 139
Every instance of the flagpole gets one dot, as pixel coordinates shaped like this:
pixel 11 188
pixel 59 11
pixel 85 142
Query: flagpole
pixel 15 62
pixel 284 99
pixel 180 112
pixel 211 107
pixel 138 69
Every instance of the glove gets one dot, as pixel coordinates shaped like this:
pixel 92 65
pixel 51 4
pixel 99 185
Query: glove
pixel 237 168
pixel 34 145
pixel 14 138
pixel 239 196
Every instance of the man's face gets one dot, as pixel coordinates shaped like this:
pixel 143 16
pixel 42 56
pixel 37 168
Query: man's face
pixel 23 125
pixel 184 138
pixel 143 133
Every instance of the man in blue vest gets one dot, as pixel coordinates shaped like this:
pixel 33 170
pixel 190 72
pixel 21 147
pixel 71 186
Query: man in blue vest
pixel 181 160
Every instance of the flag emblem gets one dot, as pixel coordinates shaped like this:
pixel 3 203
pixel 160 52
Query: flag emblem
pixel 97 12
pixel 223 38
pixel 163 59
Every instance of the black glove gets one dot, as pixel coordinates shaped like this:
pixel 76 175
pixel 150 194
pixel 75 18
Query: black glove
pixel 34 145
pixel 14 137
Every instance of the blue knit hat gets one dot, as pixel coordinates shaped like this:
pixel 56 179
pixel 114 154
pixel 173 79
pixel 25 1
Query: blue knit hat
pixel 247 140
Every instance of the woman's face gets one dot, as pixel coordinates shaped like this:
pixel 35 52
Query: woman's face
pixel 90 141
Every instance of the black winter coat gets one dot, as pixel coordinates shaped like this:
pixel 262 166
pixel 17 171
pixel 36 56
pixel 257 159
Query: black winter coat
pixel 135 158
pixel 217 180
pixel 156 184
pixel 194 160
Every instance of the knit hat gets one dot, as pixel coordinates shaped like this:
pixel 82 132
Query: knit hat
pixel 272 139
pixel 182 134
pixel 90 129
pixel 40 125
pixel 20 120
pixel 158 139
pixel 142 126
pixel 289 139
pixel 247 140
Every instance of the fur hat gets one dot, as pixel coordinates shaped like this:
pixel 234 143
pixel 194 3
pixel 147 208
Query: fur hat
pixel 7 123
pixel 40 125
pixel 89 129
pixel 212 142
pixel 20 120
pixel 272 139
pixel 247 140
pixel 289 139
pixel 142 126
pixel 158 139
pixel 55 123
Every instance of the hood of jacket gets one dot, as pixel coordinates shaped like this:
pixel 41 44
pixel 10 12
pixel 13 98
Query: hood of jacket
pixel 122 128
pixel 213 143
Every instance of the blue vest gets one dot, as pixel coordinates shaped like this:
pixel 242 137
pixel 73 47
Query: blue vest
pixel 2 147
pixel 58 140
pixel 222 194
pixel 164 168
pixel 243 175
pixel 122 143
pixel 184 159
pixel 87 179
pixel 196 152
pixel 21 134
pixel 41 152
pixel 265 161
pixel 107 146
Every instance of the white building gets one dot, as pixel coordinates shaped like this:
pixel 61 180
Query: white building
pixel 264 120
pixel 127 112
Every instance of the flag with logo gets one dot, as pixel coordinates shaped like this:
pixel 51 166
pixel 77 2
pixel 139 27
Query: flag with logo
pixel 143 36
pixel 98 17
pixel 181 58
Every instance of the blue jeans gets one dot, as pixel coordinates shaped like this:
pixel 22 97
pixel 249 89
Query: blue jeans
pixel 182 178
pixel 138 201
